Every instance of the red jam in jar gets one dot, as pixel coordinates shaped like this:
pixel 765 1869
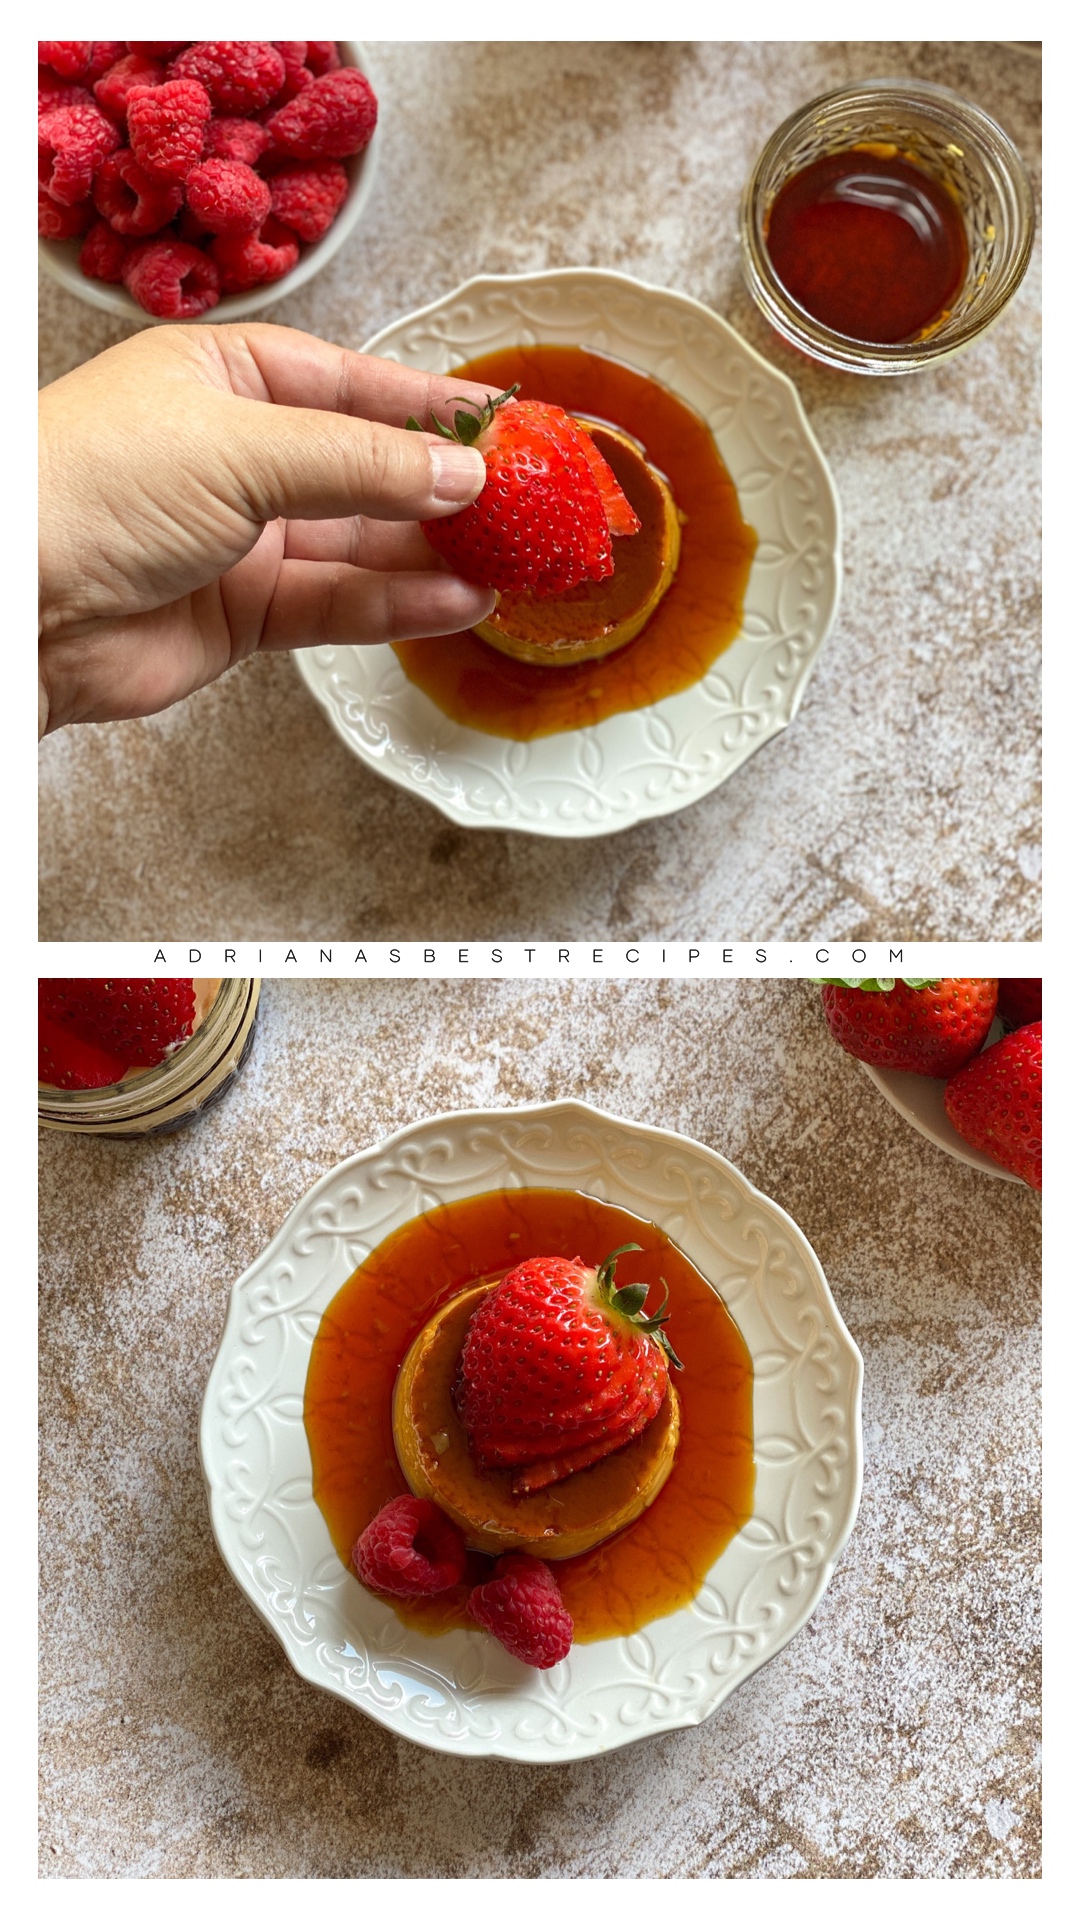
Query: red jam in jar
pixel 869 244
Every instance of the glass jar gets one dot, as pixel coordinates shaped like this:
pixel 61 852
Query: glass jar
pixel 195 1077
pixel 946 137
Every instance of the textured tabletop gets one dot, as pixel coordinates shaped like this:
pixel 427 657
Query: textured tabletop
pixel 895 1736
pixel 901 803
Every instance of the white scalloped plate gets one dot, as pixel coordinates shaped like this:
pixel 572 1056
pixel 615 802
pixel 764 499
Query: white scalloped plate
pixel 461 1692
pixel 921 1101
pixel 632 766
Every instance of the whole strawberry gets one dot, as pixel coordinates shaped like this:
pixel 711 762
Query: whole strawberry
pixel 522 1606
pixel 91 1031
pixel 919 1026
pixel 559 1368
pixel 550 504
pixel 1019 1002
pixel 995 1103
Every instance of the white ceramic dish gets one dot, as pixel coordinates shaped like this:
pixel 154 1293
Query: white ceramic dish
pixel 634 765
pixel 461 1692
pixel 60 258
pixel 922 1103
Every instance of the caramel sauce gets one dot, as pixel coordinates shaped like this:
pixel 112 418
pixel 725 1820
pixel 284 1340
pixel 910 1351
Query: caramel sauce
pixel 868 244
pixel 657 1564
pixel 700 614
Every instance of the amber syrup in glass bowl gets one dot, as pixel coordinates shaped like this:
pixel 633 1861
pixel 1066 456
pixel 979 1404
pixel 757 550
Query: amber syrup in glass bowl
pixel 653 1567
pixel 869 244
pixel 700 614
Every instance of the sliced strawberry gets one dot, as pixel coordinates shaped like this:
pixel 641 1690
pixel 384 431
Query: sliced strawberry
pixel 136 1021
pixel 621 517
pixel 65 1060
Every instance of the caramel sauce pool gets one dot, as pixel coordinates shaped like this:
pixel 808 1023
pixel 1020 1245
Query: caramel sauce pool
pixel 700 614
pixel 658 1563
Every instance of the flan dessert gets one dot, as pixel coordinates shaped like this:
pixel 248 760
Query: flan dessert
pixel 595 619
pixel 557 1521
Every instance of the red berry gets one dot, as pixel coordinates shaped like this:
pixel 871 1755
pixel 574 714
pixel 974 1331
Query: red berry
pixel 71 58
pixel 232 138
pixel 67 1060
pixel 172 279
pixel 103 253
pixel 159 48
pixel 114 87
pixel 166 125
pixel 72 142
pixel 559 1368
pixel 138 1021
pixel 995 1103
pixel 1020 1002
pixel 251 259
pixel 307 198
pixel 54 92
pixel 104 55
pixel 132 202
pixel 61 223
pixel 298 74
pixel 930 1028
pixel 239 75
pixel 522 1606
pixel 409 1549
pixel 331 119
pixel 227 196
pixel 323 56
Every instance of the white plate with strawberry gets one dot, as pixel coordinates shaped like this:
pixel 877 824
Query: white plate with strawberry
pixel 655 760
pixel 462 1692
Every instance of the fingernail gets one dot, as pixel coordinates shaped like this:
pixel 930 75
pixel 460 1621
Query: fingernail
pixel 457 473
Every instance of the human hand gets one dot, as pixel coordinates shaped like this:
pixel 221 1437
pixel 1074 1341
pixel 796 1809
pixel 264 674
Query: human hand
pixel 211 492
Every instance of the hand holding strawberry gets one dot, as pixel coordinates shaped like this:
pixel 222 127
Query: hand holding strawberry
pixel 549 507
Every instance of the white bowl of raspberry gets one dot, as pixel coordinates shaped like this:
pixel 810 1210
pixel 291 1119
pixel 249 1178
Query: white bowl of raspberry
pixel 110 231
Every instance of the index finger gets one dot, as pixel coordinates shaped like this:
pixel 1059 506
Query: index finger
pixel 295 369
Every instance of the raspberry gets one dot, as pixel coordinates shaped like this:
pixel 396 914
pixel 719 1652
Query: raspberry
pixel 134 70
pixel 142 1021
pixel 171 279
pixel 239 75
pixel 68 57
pixel 410 1548
pixel 133 203
pixel 54 92
pixel 61 223
pixel 522 1606
pixel 103 253
pixel 72 142
pixel 322 56
pixel 235 139
pixel 166 125
pixel 228 196
pixel 159 48
pixel 250 259
pixel 307 198
pixel 298 75
pixel 104 54
pixel 332 118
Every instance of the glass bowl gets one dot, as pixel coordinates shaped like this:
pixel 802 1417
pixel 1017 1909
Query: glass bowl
pixel 948 138
pixel 195 1077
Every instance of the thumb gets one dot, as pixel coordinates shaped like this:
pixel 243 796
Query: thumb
pixel 303 464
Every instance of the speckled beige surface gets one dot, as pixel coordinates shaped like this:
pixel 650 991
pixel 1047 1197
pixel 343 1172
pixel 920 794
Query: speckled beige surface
pixel 896 1736
pixel 901 803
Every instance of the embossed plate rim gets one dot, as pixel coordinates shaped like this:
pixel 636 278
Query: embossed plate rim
pixel 226 1465
pixel 346 682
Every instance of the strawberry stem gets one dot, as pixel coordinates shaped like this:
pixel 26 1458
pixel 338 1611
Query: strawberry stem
pixel 630 1301
pixel 468 427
